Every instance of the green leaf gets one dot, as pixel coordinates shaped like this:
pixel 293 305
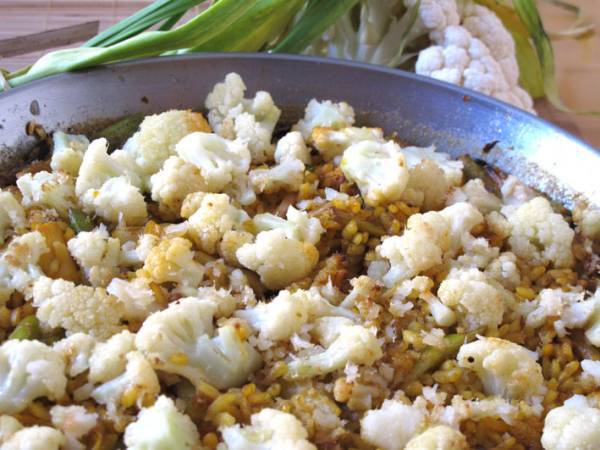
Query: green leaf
pixel 530 71
pixel 316 18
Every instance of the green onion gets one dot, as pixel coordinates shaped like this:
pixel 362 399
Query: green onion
pixel 79 221
pixel 118 132
pixel 580 26
pixel 432 357
pixel 28 328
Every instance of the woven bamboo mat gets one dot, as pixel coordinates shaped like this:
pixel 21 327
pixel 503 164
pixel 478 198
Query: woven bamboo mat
pixel 578 63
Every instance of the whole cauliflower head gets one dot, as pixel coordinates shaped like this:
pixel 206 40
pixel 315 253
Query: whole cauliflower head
pixel 278 259
pixel 61 303
pixel 55 190
pixel 157 136
pixel 393 425
pixel 539 235
pixel 506 369
pixel 29 370
pixel 379 170
pixel 182 339
pixel 269 429
pixel 474 296
pixel 331 142
pixel 575 425
pixel 439 437
pixel 12 214
pixel 324 114
pixel 172 260
pixel 343 341
pixel 162 426
pixel 67 152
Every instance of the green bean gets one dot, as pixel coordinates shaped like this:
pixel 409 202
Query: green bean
pixel 28 328
pixel 433 357
pixel 79 221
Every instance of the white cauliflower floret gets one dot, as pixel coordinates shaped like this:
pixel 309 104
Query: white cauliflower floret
pixel 220 160
pixel 427 186
pixel 504 270
pixel 133 254
pixel 172 260
pixel 285 314
pixel 515 193
pixel 332 142
pixel 74 421
pixel 19 267
pixel 181 339
pixel 8 426
pixel 343 342
pixel 324 114
pixel 97 254
pixel 587 218
pixel 593 329
pixel 175 180
pixel 55 190
pixel 575 425
pixel 378 169
pixel 222 299
pixel 12 214
pixel 462 217
pixel 35 438
pixel 439 437
pixel 393 425
pixel 475 193
pixel 287 175
pixel 278 259
pixel 138 385
pixel 231 242
pixel 570 309
pixel 214 217
pixel 162 426
pixel 497 224
pixel 251 120
pixel 155 140
pixel 478 301
pixel 292 147
pixel 76 351
pixel 452 168
pixel 269 429
pixel 109 359
pixel 67 152
pixel 117 200
pixel 591 369
pixel 298 225
pixel 506 369
pixel 435 15
pixel 136 297
pixel 76 308
pixel 29 370
pixel 540 235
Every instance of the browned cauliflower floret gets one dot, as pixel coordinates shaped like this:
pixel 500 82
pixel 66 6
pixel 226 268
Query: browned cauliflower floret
pixel 173 261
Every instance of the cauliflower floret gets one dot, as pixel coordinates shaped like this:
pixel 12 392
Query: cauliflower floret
pixel 136 297
pixel 97 254
pixel 570 308
pixel 231 242
pixel 575 425
pixel 220 161
pixel 593 330
pixel 8 426
pixel 225 303
pixel 439 437
pixel 332 142
pixel 181 339
pixel 462 217
pixel 393 425
pixel 324 114
pixel 506 369
pixel 270 429
pixel 344 343
pixel 214 217
pixel 133 254
pixel 109 359
pixel 56 190
pixel 587 218
pixel 427 186
pixel 155 140
pixel 29 370
pixel 298 225
pixel 12 214
pixel 175 180
pixel 35 438
pixel 251 120
pixel 76 351
pixel 378 169
pixel 504 270
pixel 591 369
pixel 278 259
pixel 475 193
pixel 173 260
pixel 498 224
pixel 162 426
pixel 117 200
pixel 19 267
pixel 540 235
pixel 285 314
pixel 138 385
pixel 292 147
pixel 76 308
pixel 434 16
pixel 287 175
pixel 67 152
pixel 478 301
pixel 74 421
pixel 452 168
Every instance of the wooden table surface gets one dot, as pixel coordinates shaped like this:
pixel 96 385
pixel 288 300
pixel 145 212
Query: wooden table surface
pixel 578 61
